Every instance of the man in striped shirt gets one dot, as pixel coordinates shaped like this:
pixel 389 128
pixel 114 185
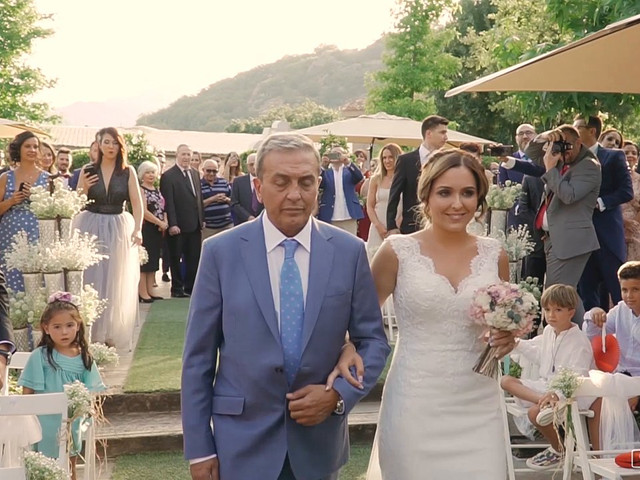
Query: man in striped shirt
pixel 216 197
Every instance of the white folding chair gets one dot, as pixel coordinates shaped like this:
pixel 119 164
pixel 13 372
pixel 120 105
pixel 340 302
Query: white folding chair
pixel 18 362
pixel 605 467
pixel 37 404
pixel 389 318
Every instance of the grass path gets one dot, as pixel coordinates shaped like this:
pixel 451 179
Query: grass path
pixel 158 357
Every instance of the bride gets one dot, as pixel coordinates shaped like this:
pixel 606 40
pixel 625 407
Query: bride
pixel 439 419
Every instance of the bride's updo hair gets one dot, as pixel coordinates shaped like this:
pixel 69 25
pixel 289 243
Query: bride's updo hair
pixel 441 161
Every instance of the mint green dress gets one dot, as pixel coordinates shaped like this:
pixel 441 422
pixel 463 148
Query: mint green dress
pixel 42 377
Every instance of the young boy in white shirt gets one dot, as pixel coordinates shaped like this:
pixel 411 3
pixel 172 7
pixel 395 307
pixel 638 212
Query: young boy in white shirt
pixel 563 345
pixel 623 320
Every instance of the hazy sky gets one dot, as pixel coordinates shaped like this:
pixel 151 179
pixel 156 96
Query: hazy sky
pixel 163 50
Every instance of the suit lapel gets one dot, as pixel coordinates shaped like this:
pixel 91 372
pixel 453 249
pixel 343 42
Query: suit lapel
pixel 254 257
pixel 320 264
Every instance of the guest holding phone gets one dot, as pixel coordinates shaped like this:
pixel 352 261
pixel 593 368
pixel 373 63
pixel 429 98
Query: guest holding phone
pixel 15 188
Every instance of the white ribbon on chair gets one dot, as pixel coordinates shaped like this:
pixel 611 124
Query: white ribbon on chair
pixel 618 429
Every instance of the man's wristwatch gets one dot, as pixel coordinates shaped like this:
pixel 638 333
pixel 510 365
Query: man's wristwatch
pixel 339 410
pixel 6 354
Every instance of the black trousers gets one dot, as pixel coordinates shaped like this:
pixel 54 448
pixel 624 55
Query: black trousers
pixel 184 246
pixel 287 474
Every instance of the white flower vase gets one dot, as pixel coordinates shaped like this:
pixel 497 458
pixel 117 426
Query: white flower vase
pixel 32 283
pixel 53 282
pixel 498 221
pixel 35 335
pixel 21 339
pixel 48 228
pixel 74 281
pixel 65 228
pixel 515 270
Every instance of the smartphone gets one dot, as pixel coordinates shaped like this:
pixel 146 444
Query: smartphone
pixel 21 188
pixel 333 156
pixel 91 170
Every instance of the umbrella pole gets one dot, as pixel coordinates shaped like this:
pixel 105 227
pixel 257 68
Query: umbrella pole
pixel 371 151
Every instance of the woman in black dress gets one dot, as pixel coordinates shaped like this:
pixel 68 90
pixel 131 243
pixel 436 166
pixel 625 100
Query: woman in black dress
pixel 153 228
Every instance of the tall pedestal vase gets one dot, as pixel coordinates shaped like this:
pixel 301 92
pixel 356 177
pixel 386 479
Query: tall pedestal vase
pixel 21 339
pixel 73 280
pixel 48 231
pixel 515 271
pixel 53 282
pixel 32 283
pixel 497 221
pixel 65 228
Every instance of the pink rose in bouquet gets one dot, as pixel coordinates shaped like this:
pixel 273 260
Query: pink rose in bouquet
pixel 502 306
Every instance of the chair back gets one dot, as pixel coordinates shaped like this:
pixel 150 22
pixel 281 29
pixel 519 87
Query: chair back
pixel 18 362
pixel 40 404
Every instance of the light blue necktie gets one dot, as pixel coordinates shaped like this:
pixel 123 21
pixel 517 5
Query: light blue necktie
pixel 291 310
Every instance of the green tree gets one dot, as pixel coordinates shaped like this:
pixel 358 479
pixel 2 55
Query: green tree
pixel 305 114
pixel 523 30
pixel 415 61
pixel 19 28
pixel 138 149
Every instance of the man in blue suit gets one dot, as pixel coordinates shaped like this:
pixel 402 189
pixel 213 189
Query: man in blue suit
pixel 272 303
pixel 339 204
pixel 600 278
pixel 524 134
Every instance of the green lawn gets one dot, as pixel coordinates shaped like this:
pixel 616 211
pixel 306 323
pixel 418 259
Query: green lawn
pixel 157 360
pixel 171 465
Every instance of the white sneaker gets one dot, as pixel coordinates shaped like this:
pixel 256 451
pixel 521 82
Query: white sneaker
pixel 545 417
pixel 545 460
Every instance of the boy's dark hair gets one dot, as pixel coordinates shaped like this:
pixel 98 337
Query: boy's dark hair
pixel 629 271
pixel 563 296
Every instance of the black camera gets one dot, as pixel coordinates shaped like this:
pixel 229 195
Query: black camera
pixel 561 147
pixel 500 150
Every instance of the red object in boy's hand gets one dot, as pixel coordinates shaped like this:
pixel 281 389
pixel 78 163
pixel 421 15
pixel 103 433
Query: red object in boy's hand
pixel 606 361
pixel 629 459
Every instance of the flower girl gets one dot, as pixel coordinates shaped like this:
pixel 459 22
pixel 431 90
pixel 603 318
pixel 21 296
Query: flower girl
pixel 61 358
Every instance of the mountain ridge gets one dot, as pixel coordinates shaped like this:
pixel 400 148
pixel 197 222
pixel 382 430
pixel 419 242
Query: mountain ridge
pixel 328 76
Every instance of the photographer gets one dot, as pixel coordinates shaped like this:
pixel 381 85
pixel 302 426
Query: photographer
pixel 572 182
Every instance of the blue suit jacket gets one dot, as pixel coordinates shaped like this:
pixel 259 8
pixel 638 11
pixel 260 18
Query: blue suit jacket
pixel 616 189
pixel 514 175
pixel 233 367
pixel 351 176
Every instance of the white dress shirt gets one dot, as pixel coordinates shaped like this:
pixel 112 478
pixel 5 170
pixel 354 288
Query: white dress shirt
pixel 340 210
pixel 424 154
pixel 275 257
pixel 185 172
pixel 622 322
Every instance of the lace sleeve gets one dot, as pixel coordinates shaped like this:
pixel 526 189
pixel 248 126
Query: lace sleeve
pixel 404 247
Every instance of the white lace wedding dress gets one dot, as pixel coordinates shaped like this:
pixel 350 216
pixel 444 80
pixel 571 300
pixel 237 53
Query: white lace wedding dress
pixel 438 419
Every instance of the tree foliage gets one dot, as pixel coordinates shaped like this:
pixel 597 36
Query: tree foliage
pixel 138 149
pixel 415 61
pixel 20 26
pixel 305 114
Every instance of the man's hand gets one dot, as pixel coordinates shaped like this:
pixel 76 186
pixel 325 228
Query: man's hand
pixel 207 470
pixel 175 230
pixel 598 316
pixel 312 404
pixel 346 160
pixel 550 159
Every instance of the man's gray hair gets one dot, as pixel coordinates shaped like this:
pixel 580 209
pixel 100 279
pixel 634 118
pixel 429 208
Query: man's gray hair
pixel 284 142
pixel 146 167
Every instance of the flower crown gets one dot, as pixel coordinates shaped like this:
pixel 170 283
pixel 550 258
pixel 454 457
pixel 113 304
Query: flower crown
pixel 63 297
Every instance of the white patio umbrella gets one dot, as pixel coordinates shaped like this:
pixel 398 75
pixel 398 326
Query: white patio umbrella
pixel 605 61
pixel 384 128
pixel 11 128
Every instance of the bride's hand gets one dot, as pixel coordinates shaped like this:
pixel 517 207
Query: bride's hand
pixel 348 358
pixel 502 341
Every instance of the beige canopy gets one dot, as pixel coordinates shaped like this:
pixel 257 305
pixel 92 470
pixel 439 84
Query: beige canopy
pixel 384 128
pixel 10 128
pixel 605 61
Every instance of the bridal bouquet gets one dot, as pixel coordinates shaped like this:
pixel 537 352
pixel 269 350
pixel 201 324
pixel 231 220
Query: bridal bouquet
pixel 503 197
pixel 501 306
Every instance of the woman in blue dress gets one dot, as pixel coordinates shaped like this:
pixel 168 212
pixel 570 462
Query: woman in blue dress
pixel 15 188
